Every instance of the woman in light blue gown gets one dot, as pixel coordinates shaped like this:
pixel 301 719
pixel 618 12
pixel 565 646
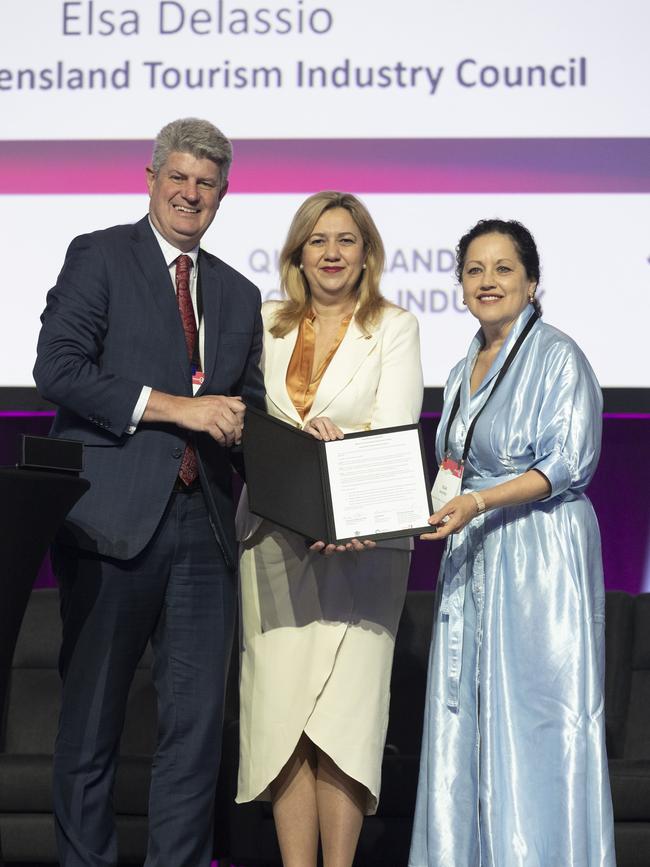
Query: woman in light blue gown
pixel 513 770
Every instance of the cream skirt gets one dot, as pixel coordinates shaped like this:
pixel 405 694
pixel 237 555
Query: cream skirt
pixel 318 635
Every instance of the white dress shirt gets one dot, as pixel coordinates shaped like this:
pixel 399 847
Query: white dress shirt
pixel 171 254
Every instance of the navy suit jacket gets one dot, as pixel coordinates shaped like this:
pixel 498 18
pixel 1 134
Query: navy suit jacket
pixel 111 326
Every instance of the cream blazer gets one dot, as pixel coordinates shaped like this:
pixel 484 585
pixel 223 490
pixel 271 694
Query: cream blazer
pixel 374 380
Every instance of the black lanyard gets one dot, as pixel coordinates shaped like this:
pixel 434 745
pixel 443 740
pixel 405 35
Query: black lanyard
pixel 511 357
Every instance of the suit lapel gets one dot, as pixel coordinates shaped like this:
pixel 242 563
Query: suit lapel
pixel 152 264
pixel 212 296
pixel 277 355
pixel 354 349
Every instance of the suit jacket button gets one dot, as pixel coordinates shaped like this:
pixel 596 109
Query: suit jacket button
pixel 177 453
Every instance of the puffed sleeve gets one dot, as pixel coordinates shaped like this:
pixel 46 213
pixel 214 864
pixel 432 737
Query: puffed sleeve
pixel 569 424
pixel 398 399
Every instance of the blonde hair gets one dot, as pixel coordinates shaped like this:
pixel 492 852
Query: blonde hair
pixel 292 280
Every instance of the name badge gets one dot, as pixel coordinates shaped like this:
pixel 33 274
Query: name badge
pixel 447 484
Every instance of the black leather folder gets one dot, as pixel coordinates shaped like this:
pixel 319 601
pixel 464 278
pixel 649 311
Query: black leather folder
pixel 288 478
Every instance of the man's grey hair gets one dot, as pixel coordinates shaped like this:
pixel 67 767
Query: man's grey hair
pixel 191 135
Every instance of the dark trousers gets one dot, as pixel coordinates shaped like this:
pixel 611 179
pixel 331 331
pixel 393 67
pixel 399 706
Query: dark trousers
pixel 178 593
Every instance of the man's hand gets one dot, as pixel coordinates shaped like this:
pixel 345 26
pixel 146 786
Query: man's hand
pixel 220 416
pixel 216 414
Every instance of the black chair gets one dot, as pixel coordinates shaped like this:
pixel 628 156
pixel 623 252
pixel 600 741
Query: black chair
pixel 27 740
pixel 28 731
pixel 627 714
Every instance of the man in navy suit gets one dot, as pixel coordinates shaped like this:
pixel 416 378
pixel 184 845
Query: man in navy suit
pixel 148 554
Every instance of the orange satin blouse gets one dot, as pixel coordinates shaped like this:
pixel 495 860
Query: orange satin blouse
pixel 302 380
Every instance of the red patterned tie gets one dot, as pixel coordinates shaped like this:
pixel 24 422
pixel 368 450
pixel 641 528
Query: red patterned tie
pixel 189 470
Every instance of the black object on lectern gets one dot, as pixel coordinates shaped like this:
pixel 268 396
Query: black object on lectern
pixel 33 505
pixel 51 453
pixel 287 478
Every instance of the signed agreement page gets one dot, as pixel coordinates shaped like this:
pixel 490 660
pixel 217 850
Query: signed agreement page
pixel 378 484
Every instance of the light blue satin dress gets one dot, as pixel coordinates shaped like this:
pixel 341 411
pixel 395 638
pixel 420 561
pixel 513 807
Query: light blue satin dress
pixel 513 770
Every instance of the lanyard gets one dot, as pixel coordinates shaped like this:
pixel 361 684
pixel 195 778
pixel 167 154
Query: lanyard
pixel 511 357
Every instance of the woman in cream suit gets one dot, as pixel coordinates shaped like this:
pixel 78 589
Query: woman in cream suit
pixel 319 622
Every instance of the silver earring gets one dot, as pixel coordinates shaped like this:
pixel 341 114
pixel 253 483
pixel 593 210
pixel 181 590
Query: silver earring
pixel 531 298
pixel 364 266
pixel 301 266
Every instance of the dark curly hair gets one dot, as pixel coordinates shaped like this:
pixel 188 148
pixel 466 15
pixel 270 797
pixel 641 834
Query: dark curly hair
pixel 520 237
